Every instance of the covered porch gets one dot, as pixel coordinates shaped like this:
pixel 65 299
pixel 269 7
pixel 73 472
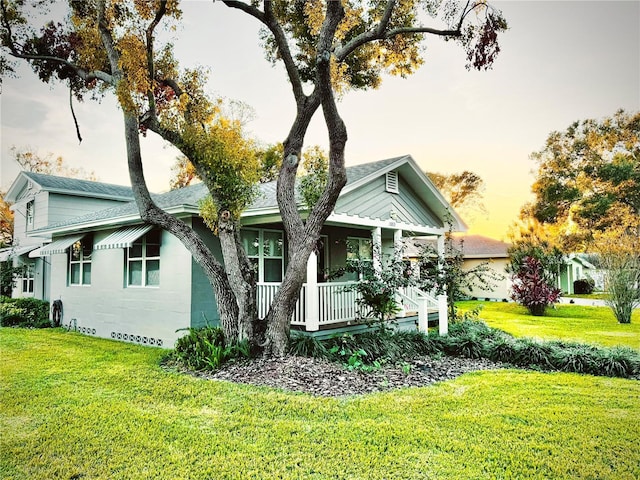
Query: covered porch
pixel 332 305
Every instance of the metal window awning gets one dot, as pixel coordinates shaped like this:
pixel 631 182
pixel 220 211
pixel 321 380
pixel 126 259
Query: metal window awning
pixel 59 246
pixel 11 252
pixel 123 238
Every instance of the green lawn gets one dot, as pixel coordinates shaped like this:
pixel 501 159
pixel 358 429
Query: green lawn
pixel 595 325
pixel 77 407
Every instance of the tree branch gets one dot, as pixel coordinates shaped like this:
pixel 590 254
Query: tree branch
pixel 271 22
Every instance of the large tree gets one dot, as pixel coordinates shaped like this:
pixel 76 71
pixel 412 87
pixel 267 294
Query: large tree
pixel 588 179
pixel 325 47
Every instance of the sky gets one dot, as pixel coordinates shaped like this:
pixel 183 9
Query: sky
pixel 561 61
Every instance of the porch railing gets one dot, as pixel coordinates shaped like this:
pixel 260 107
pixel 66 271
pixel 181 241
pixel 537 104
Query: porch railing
pixel 332 303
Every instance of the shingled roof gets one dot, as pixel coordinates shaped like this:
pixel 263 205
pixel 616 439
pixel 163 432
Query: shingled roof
pixel 53 183
pixel 188 199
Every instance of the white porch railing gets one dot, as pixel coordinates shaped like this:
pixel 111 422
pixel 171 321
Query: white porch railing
pixel 331 303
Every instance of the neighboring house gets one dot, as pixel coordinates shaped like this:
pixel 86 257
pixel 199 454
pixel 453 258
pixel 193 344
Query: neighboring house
pixel 476 249
pixel 40 200
pixel 575 268
pixel 120 278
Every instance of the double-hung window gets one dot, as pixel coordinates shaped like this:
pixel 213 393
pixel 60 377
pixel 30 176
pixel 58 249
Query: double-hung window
pixel 143 261
pixel 27 278
pixel 265 249
pixel 80 254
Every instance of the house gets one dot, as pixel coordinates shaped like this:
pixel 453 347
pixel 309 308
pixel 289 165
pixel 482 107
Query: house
pixel 40 200
pixel 120 278
pixel 476 250
pixel 575 267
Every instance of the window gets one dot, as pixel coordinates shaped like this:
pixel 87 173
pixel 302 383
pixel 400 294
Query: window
pixel 27 278
pixel 265 249
pixel 359 248
pixel 143 261
pixel 80 261
pixel 29 213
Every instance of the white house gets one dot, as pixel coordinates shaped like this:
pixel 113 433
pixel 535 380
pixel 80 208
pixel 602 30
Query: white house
pixel 120 278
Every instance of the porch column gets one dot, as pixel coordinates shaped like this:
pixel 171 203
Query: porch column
pixel 397 257
pixel 376 239
pixel 443 318
pixel 398 247
pixel 312 318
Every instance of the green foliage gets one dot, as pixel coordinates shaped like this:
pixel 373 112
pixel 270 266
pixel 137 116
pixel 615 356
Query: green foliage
pixel 205 349
pixel 137 421
pixel 444 273
pixel 377 287
pixel 620 260
pixel 24 312
pixel 584 286
pixel 588 178
pixel 307 346
pixel 314 175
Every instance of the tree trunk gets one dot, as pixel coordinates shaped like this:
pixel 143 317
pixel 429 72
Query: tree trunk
pixel 241 279
pixel 150 213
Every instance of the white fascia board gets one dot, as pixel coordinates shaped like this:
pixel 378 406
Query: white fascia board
pixel 104 224
pixel 376 174
pixel 346 220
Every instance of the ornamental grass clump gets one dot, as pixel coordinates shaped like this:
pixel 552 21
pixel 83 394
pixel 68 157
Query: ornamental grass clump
pixel 205 349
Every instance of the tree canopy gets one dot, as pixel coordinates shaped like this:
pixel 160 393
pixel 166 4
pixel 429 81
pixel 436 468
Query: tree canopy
pixel 588 179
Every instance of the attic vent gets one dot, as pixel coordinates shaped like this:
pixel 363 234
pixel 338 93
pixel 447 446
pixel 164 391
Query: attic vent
pixel 392 182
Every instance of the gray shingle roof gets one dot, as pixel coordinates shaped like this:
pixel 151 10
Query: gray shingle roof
pixel 190 197
pixel 82 187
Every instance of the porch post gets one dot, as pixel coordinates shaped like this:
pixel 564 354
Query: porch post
pixel 443 317
pixel 397 257
pixel 312 319
pixel 376 239
pixel 443 324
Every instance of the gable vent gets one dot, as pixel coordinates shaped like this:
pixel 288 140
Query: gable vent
pixel 392 182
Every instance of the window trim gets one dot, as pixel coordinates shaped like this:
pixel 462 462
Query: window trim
pixel 143 259
pixel 87 240
pixel 261 257
pixel 29 214
pixel 28 276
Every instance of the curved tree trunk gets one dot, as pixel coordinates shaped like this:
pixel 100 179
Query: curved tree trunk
pixel 150 213
pixel 241 279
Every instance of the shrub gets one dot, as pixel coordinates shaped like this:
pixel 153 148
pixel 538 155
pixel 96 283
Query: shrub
pixel 584 286
pixel 205 349
pixel 307 346
pixel 24 312
pixel 532 354
pixel 532 289
pixel 576 358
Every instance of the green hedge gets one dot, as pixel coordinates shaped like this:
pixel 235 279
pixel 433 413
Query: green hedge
pixel 24 312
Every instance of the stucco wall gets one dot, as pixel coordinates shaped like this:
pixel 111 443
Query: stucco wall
pixel 108 308
pixel 501 290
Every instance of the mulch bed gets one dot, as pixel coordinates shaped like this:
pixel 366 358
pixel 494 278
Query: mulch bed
pixel 323 378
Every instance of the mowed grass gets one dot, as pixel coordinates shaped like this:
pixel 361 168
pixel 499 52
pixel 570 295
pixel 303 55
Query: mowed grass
pixel 77 407
pixel 593 325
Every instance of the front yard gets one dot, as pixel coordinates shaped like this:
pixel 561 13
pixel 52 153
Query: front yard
pixel 77 407
pixel 595 325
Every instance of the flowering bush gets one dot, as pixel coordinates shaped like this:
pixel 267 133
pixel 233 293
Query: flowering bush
pixel 531 287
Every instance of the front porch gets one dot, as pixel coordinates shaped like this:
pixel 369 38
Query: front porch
pixel 330 306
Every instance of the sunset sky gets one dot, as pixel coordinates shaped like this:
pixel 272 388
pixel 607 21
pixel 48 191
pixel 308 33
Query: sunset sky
pixel 560 62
